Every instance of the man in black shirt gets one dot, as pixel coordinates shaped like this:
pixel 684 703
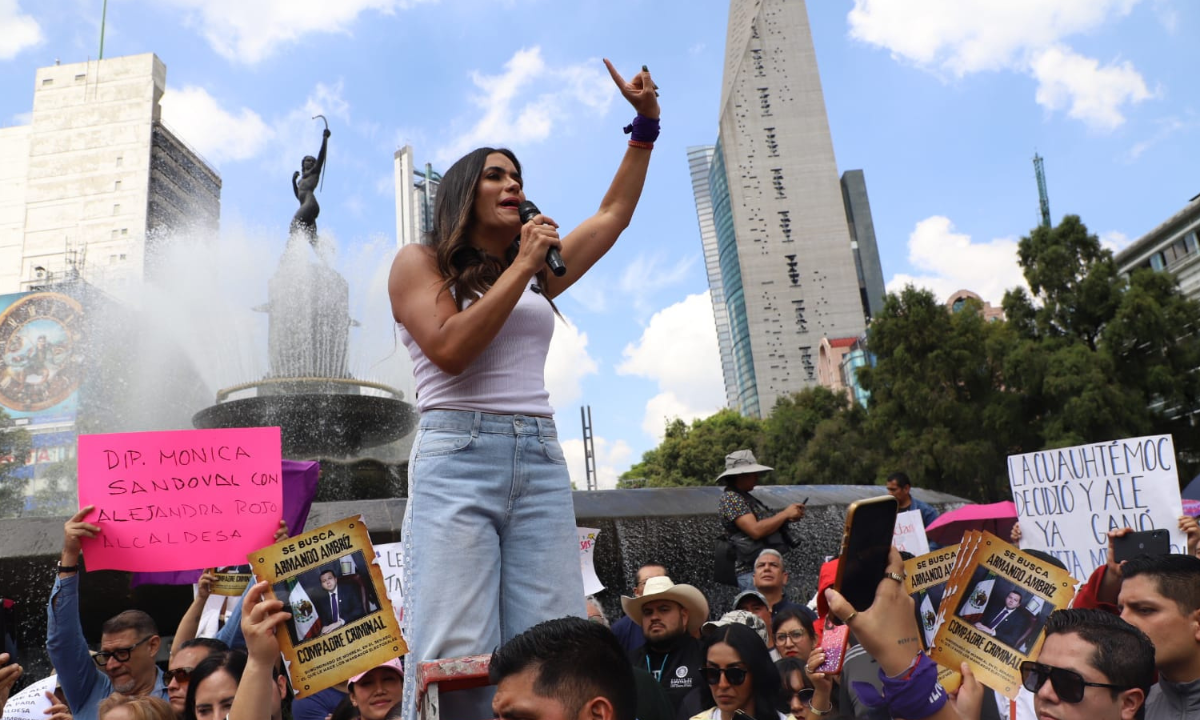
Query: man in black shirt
pixel 670 616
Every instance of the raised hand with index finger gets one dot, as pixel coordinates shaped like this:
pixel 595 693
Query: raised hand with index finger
pixel 641 92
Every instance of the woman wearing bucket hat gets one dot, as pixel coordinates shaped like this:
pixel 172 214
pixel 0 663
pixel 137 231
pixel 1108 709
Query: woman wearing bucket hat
pixel 749 524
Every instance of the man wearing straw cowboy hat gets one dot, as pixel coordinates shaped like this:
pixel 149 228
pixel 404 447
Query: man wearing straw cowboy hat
pixel 670 616
pixel 752 526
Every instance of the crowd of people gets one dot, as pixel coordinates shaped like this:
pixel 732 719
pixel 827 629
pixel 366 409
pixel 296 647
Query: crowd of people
pixel 491 563
pixel 1129 648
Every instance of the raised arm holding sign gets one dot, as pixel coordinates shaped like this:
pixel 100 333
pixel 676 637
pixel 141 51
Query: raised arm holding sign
pixel 180 499
pixel 1069 499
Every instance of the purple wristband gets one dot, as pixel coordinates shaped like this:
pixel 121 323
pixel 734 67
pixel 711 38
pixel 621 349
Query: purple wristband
pixel 643 129
pixel 917 697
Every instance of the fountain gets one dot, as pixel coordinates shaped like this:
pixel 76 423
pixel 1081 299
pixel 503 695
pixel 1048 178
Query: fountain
pixel 351 425
pixel 308 392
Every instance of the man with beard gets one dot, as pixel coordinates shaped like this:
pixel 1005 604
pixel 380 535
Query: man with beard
pixel 670 616
pixel 128 642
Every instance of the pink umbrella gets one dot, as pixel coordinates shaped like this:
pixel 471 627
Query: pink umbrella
pixel 996 518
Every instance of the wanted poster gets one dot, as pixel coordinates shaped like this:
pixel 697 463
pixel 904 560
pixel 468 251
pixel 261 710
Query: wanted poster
pixel 232 580
pixel 342 622
pixel 925 580
pixel 994 615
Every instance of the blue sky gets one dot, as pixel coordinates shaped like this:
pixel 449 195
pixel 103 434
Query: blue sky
pixel 942 103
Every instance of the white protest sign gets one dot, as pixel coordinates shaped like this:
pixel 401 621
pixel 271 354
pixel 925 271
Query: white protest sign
pixel 910 533
pixel 587 548
pixel 30 703
pixel 1068 499
pixel 390 557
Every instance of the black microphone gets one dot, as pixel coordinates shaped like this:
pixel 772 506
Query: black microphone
pixel 528 210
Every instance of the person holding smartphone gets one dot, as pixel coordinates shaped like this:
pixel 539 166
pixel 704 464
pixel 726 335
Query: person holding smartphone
pixel 751 526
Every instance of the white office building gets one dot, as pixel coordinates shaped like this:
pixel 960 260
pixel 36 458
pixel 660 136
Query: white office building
pixel 96 179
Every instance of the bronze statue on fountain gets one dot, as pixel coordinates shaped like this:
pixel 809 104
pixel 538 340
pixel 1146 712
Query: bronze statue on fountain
pixel 304 186
pixel 308 391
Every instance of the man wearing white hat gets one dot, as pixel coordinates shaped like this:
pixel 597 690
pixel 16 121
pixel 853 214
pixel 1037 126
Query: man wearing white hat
pixel 752 526
pixel 670 616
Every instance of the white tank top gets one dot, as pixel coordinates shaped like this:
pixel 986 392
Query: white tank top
pixel 508 378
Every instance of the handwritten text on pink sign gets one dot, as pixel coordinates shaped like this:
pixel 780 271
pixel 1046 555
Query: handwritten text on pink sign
pixel 180 500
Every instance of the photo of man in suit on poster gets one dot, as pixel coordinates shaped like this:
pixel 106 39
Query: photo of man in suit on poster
pixel 342 603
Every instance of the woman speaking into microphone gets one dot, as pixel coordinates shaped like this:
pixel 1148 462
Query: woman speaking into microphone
pixel 489 530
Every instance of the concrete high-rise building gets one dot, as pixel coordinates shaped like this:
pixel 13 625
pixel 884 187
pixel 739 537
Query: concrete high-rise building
pixel 788 234
pixel 97 175
pixel 416 197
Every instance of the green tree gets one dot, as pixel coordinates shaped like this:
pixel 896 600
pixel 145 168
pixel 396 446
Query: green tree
pixel 695 454
pixel 939 407
pixel 1101 356
pixel 840 452
pixel 792 425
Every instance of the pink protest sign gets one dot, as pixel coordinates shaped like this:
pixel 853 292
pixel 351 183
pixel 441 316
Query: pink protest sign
pixel 180 499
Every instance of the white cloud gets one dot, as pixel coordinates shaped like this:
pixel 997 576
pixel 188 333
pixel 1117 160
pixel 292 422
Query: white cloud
pixel 513 114
pixel 298 133
pixel 1091 93
pixel 251 31
pixel 1167 127
pixel 960 37
pixel 21 31
pixel 567 364
pixel 1115 240
pixel 948 261
pixel 214 131
pixel 612 459
pixel 678 350
pixel 649 274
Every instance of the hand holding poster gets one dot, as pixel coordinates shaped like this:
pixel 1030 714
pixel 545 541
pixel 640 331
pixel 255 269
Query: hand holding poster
pixel 1070 498
pixel 31 703
pixel 342 623
pixel 994 610
pixel 179 500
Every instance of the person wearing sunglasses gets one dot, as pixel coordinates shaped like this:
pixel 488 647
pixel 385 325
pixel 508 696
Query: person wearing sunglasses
pixel 1093 666
pixel 799 689
pixel 128 641
pixel 738 677
pixel 183 661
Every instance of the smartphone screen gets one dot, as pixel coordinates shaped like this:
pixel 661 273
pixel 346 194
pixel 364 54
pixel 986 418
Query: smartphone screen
pixel 1136 544
pixel 870 527
pixel 833 642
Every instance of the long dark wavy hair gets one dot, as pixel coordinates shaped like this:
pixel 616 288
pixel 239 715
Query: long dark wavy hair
pixel 754 654
pixel 232 662
pixel 468 271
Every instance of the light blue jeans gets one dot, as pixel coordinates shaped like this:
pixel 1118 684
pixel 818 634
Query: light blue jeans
pixel 489 541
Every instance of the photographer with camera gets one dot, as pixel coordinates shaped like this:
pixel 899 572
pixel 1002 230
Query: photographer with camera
pixel 750 526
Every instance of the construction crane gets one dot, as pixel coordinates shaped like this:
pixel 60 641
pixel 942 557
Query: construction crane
pixel 1043 196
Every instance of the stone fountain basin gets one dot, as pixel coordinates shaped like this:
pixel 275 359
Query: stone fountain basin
pixel 317 425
